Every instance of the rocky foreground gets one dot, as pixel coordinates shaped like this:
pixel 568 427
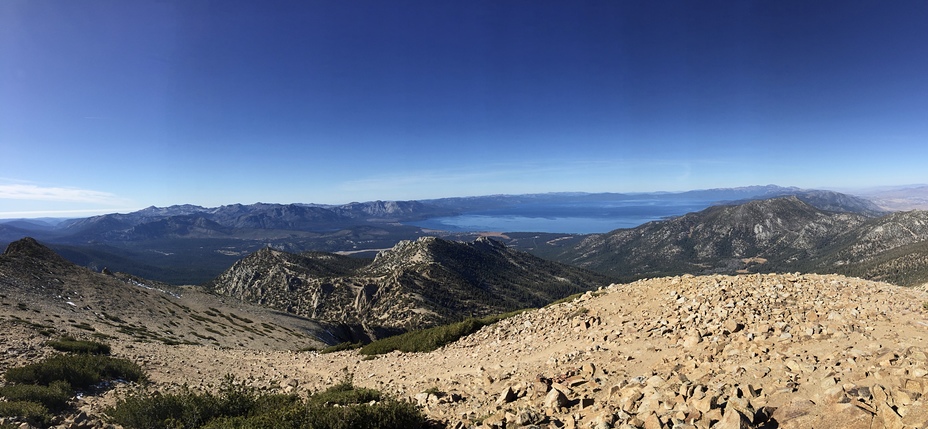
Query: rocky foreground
pixel 753 351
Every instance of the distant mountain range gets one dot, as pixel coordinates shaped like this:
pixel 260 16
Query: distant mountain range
pixel 256 256
pixel 189 244
pixel 898 198
pixel 231 220
pixel 237 220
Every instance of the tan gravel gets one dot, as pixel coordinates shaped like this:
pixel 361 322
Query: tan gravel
pixel 714 351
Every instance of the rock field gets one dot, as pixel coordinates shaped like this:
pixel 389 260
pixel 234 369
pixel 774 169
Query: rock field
pixel 752 351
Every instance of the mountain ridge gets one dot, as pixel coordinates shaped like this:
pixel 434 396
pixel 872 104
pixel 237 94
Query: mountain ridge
pixel 304 216
pixel 414 285
pixel 188 244
pixel 55 294
pixel 776 235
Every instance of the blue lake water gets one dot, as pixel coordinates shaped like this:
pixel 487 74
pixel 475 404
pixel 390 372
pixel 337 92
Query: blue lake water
pixel 583 218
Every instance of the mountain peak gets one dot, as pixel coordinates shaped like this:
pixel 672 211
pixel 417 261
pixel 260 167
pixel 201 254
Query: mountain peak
pixel 487 241
pixel 29 247
pixel 414 285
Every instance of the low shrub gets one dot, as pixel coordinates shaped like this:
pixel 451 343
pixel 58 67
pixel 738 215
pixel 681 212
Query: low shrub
pixel 71 345
pixel 387 414
pixel 80 371
pixel 37 390
pixel 237 406
pixel 382 415
pixel 340 346
pixel 175 410
pixel 345 393
pixel 54 397
pixel 31 411
pixel 427 340
pixel 188 409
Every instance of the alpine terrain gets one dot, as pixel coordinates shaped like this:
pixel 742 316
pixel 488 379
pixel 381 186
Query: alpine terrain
pixel 774 235
pixel 751 314
pixel 414 285
pixel 749 351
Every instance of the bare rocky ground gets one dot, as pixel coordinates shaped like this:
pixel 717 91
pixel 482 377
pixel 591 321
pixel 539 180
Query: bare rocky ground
pixel 752 351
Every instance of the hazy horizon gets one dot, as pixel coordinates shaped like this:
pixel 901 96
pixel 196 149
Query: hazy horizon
pixel 89 213
pixel 116 106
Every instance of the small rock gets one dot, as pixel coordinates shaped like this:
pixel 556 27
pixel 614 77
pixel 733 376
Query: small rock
pixel 691 341
pixel 555 400
pixel 798 414
pixel 588 370
pixel 506 396
pixel 732 419
pixel 705 404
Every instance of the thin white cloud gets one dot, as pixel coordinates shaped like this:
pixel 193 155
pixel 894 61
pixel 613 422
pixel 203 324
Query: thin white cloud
pixel 46 193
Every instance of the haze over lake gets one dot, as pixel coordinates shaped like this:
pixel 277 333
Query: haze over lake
pixel 574 218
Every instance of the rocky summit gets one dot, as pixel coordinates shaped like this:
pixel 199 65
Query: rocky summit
pixel 788 351
pixel 748 351
pixel 414 285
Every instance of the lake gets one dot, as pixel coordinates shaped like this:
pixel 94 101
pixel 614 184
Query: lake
pixel 574 218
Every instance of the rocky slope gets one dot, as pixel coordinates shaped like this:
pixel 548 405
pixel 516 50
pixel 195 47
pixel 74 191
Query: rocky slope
pixel 41 289
pixel 831 201
pixel 883 234
pixel 749 351
pixel 775 232
pixel 415 284
pixel 775 235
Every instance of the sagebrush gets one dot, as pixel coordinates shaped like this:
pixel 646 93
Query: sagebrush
pixel 237 405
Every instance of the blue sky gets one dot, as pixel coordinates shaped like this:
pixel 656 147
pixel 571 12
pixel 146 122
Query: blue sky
pixel 113 106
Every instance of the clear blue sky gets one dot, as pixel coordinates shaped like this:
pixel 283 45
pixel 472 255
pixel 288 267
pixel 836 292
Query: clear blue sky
pixel 116 105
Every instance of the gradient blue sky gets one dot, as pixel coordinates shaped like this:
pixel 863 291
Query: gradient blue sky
pixel 116 105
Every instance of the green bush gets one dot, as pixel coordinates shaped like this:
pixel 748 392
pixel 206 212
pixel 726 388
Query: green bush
pixel 427 340
pixel 345 393
pixel 315 414
pixel 188 409
pixel 71 345
pixel 176 410
pixel 80 371
pixel 35 390
pixel 382 415
pixel 54 397
pixel 242 407
pixel 341 346
pixel 31 411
